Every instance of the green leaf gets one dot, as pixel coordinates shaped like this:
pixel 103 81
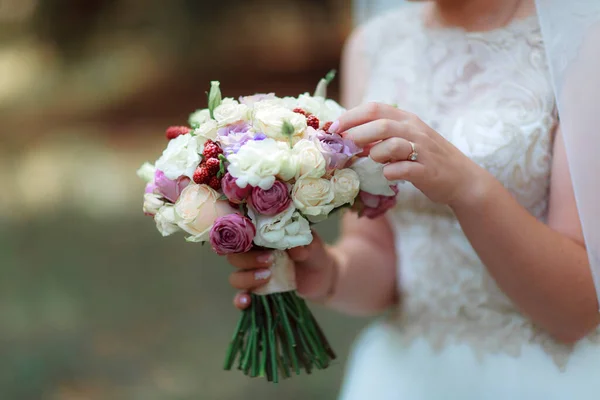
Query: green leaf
pixel 222 169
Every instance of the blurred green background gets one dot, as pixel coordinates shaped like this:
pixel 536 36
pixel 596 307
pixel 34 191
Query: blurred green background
pixel 94 304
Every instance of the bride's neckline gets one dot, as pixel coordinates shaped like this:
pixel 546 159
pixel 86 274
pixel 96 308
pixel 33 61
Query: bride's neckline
pixel 514 25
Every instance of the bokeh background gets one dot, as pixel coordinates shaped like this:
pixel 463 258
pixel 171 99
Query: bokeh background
pixel 94 304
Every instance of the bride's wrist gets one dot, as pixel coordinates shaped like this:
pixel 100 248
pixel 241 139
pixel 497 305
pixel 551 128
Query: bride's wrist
pixel 330 277
pixel 478 187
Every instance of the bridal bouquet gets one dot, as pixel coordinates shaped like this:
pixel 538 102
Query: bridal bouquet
pixel 257 173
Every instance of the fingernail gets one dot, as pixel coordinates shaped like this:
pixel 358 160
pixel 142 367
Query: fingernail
pixel 266 258
pixel 262 275
pixel 244 299
pixel 334 127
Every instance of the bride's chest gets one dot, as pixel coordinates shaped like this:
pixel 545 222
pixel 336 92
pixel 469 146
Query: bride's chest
pixel 491 99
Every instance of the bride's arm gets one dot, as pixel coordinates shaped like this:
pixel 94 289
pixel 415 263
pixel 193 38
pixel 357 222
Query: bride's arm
pixel 543 268
pixel 365 267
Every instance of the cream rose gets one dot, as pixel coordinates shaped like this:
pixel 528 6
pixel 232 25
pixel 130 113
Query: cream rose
pixel 313 196
pixel 208 130
pixel 230 111
pixel 309 159
pixel 282 231
pixel 372 180
pixel 199 117
pixel 259 162
pixel 197 209
pixel 166 220
pixel 346 186
pixel 181 157
pixel 270 121
pixel 152 203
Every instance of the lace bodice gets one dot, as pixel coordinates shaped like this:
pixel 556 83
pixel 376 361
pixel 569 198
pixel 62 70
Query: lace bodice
pixel 489 93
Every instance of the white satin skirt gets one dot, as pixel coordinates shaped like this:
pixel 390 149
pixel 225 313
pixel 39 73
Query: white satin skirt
pixel 382 367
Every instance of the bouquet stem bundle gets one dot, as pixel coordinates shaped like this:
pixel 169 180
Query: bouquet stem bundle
pixel 278 336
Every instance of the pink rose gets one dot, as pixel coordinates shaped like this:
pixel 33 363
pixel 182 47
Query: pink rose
pixel 374 206
pixel 232 234
pixel 272 201
pixel 232 191
pixel 170 189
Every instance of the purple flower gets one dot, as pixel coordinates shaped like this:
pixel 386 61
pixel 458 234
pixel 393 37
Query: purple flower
pixel 233 137
pixel 170 189
pixel 232 234
pixel 232 191
pixel 250 100
pixel 336 149
pixel 374 206
pixel 272 201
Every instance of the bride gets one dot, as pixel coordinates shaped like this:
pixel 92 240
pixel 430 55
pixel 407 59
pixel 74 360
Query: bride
pixel 483 261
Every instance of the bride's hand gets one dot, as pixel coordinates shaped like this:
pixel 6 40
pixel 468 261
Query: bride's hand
pixel 441 171
pixel 314 267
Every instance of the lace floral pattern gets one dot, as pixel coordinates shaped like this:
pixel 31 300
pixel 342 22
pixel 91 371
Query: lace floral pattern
pixel 489 94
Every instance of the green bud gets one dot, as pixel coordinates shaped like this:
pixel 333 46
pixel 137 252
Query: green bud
pixel 288 130
pixel 321 90
pixel 214 97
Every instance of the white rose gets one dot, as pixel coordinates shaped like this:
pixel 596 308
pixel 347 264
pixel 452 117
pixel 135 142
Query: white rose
pixel 282 231
pixel 309 159
pixel 346 186
pixel 270 120
pixel 259 162
pixel 152 203
pixel 331 111
pixel 197 209
pixel 313 196
pixel 325 109
pixel 310 104
pixel 267 103
pixel 372 180
pixel 166 220
pixel 208 130
pixel 199 117
pixel 146 172
pixel 289 102
pixel 230 111
pixel 181 157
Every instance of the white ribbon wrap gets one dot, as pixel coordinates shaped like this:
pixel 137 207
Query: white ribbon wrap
pixel 283 276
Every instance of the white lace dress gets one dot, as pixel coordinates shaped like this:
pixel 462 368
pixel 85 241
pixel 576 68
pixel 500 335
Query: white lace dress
pixel 457 336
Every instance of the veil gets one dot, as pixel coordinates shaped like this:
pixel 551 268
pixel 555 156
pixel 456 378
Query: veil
pixel 571 34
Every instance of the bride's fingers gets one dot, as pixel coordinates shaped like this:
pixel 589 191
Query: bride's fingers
pixel 366 113
pixel 389 150
pixel 404 171
pixel 242 300
pixel 381 129
pixel 248 280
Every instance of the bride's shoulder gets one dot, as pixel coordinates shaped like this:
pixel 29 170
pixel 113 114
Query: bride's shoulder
pixel 389 28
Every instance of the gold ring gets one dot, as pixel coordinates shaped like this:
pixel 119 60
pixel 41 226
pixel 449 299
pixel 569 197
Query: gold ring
pixel 413 154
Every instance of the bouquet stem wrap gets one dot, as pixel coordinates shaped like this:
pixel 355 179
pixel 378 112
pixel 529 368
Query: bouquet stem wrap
pixel 278 336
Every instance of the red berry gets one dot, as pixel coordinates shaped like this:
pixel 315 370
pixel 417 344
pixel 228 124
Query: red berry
pixel 215 183
pixel 327 126
pixel 213 165
pixel 202 175
pixel 301 111
pixel 174 131
pixel 211 150
pixel 313 121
